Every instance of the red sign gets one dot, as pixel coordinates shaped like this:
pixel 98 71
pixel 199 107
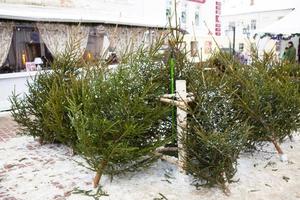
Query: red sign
pixel 218 19
pixel 198 1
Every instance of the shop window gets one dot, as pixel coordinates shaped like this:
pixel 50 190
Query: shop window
pixel 94 48
pixel 26 46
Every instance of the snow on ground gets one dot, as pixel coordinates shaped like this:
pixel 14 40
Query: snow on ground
pixel 29 171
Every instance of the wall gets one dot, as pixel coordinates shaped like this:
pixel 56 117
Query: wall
pixel 13 82
pixel 200 32
pixel 152 12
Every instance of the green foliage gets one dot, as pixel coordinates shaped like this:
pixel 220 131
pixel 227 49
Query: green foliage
pixel 216 135
pixel 219 61
pixel 212 156
pixel 237 106
pixel 268 97
pixel 90 193
pixel 120 121
pixel 114 119
pixel 43 111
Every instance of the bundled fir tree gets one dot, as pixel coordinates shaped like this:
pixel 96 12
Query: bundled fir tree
pixel 120 121
pixel 265 93
pixel 237 106
pixel 268 98
pixel 42 112
pixel 216 135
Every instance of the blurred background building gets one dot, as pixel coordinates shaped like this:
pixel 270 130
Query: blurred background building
pixel 248 18
pixel 34 31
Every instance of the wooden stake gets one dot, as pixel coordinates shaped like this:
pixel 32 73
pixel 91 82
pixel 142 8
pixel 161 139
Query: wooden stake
pixel 181 121
pixel 182 99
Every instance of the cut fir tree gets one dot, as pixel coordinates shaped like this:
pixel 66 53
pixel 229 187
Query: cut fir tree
pixel 42 112
pixel 120 122
pixel 215 136
pixel 269 100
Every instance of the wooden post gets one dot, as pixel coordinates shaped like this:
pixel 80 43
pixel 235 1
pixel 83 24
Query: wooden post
pixel 181 95
pixel 182 99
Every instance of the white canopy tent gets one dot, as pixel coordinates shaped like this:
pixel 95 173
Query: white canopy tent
pixel 287 26
pixel 278 34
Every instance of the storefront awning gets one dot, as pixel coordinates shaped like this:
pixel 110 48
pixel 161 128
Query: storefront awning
pixel 286 27
pixel 73 15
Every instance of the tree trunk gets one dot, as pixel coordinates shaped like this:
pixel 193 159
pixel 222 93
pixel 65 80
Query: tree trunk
pixel 41 140
pixel 278 148
pixel 99 173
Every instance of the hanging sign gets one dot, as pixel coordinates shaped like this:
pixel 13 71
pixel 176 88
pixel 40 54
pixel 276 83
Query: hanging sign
pixel 218 18
pixel 198 1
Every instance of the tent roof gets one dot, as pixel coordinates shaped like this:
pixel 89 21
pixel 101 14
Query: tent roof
pixel 74 15
pixel 242 7
pixel 288 25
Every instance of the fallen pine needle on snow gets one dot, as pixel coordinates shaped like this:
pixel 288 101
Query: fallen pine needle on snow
pixel 30 171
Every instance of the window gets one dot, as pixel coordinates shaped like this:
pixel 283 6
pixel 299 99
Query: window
pixel 168 9
pixel 149 37
pixel 183 13
pixel 197 16
pixel 253 24
pixel 241 47
pixel 26 45
pixel 208 47
pixel 194 48
pixel 246 30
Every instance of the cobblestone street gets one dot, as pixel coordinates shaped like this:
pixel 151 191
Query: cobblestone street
pixel 8 128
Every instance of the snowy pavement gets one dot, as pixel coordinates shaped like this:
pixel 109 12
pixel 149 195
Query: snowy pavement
pixel 8 128
pixel 29 171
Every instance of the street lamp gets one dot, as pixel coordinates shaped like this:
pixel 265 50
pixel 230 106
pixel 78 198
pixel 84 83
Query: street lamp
pixel 232 28
pixel 233 40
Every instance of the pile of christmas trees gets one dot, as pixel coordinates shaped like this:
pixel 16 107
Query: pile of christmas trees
pixel 114 118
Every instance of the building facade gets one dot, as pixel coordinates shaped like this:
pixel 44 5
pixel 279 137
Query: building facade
pixel 35 31
pixel 247 17
pixel 32 32
pixel 201 19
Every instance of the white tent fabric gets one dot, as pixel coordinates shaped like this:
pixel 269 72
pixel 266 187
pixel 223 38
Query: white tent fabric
pixel 288 25
pixel 57 37
pixel 6 33
pixel 69 14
